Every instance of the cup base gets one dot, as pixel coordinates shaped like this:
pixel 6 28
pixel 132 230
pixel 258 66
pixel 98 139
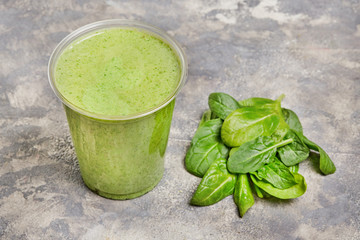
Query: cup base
pixel 123 196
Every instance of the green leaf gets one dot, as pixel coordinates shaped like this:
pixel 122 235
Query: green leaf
pixel 326 165
pixel 294 169
pixel 277 174
pixel 232 150
pixel 243 196
pixel 248 123
pixel 292 120
pixel 261 102
pixel 256 102
pixel 222 104
pixel 283 127
pixel 254 154
pixel 206 146
pixel 294 152
pixel 216 184
pixel 213 115
pixel 288 193
pixel 205 117
pixel 281 130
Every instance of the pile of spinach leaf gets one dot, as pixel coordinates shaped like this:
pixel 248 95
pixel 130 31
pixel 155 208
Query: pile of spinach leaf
pixel 252 145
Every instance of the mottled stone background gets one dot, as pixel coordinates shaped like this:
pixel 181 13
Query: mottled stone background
pixel 308 50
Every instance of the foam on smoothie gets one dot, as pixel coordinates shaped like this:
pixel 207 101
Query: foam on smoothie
pixel 117 72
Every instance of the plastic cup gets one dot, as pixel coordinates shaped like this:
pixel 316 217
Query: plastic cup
pixel 120 157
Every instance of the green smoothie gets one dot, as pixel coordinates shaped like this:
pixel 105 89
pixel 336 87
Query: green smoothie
pixel 119 72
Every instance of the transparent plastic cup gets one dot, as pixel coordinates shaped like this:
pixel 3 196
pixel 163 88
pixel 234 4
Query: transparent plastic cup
pixel 120 157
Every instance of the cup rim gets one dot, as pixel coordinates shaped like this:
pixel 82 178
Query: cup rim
pixel 118 23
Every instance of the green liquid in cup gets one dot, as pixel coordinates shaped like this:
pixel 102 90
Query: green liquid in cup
pixel 119 72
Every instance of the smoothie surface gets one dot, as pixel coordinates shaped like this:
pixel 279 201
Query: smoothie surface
pixel 117 72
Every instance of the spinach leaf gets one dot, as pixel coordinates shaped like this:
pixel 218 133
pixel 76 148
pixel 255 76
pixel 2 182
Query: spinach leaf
pixel 261 102
pixel 256 102
pixel 243 195
pixel 248 123
pixel 294 152
pixel 222 104
pixel 292 120
pixel 213 115
pixel 294 169
pixel 280 131
pixel 277 174
pixel 216 184
pixel 326 165
pixel 232 150
pixel 206 146
pixel 254 154
pixel 288 193
pixel 207 115
pixel 283 127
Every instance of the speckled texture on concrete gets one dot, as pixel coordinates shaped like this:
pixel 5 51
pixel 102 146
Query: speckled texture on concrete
pixel 308 50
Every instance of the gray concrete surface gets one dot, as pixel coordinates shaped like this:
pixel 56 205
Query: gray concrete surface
pixel 308 50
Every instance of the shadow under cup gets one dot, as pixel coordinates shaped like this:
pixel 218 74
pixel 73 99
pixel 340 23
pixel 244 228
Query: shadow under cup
pixel 120 157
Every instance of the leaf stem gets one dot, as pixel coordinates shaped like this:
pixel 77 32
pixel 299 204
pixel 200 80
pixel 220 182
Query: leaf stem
pixel 283 143
pixel 280 144
pixel 280 98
